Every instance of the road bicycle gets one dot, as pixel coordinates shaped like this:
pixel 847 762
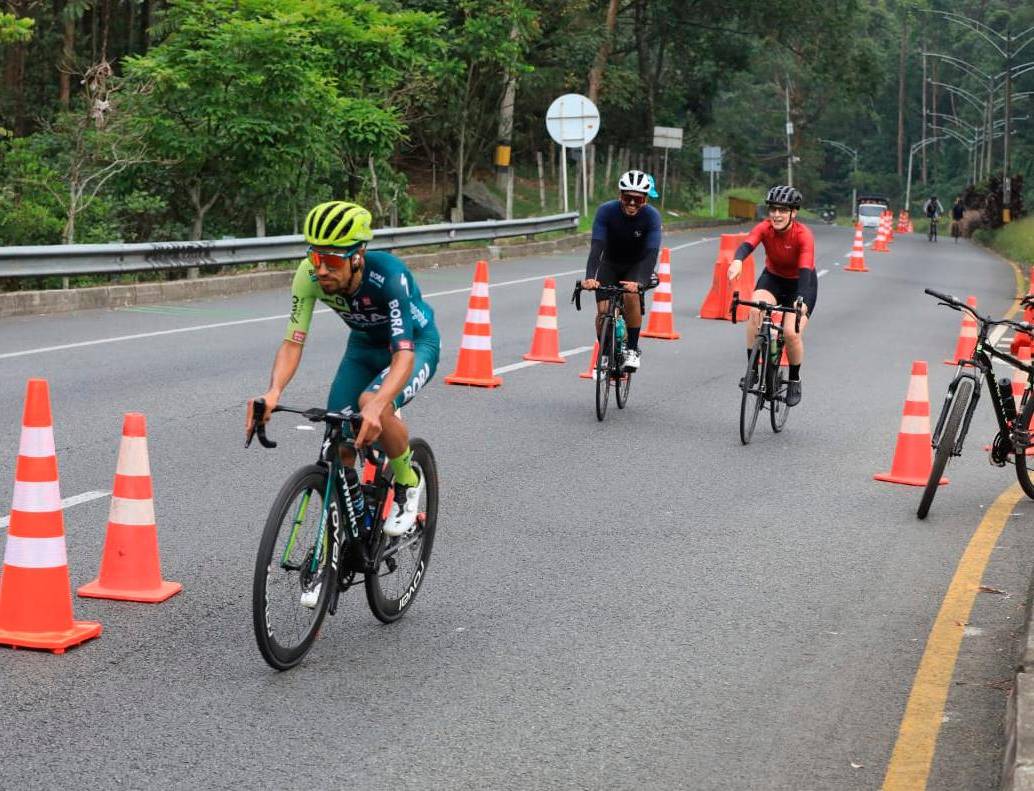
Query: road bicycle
pixel 1014 437
pixel 324 534
pixel 931 234
pixel 765 382
pixel 609 371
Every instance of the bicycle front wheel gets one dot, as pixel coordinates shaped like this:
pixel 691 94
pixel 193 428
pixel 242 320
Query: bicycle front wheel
pixel 401 563
pixel 778 409
pixel 603 365
pixel 949 437
pixel 753 391
pixel 290 590
pixel 1021 445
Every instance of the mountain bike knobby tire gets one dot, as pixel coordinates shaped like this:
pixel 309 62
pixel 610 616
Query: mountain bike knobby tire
pixel 958 406
pixel 753 397
pixel 603 371
pixel 272 578
pixel 1024 463
pixel 777 406
pixel 402 562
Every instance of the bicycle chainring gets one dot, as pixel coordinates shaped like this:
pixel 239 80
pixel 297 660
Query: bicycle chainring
pixel 1001 447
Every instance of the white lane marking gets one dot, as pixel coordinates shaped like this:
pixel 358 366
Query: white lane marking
pixel 528 363
pixel 68 502
pixel 822 272
pixel 278 317
pixel 690 244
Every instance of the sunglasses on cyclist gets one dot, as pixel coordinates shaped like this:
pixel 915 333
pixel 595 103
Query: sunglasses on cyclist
pixel 633 199
pixel 331 260
pixel 779 209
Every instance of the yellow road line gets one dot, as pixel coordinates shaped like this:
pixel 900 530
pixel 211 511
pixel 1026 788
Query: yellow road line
pixel 910 762
pixel 917 736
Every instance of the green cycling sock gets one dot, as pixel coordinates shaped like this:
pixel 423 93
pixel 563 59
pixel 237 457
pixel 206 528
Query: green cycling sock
pixel 403 470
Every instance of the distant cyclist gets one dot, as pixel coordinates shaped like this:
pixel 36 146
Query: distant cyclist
pixel 789 272
pixel 392 349
pixel 626 238
pixel 958 211
pixel 933 211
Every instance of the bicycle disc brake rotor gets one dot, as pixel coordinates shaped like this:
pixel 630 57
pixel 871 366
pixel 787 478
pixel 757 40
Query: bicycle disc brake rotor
pixel 1001 447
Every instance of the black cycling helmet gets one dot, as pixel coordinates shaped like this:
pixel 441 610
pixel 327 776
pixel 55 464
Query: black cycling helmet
pixel 784 196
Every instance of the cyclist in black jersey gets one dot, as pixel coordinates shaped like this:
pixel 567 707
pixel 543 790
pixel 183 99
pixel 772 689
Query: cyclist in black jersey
pixel 626 238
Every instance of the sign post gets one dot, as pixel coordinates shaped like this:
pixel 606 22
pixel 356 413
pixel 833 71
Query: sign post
pixel 666 137
pixel 573 122
pixel 712 157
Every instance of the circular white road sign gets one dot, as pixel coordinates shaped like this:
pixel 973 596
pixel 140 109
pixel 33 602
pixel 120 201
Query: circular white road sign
pixel 572 120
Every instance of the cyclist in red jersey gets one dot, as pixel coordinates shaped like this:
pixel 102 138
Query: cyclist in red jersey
pixel 789 272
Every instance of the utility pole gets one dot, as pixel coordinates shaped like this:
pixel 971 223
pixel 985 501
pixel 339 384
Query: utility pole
pixel 789 137
pixel 923 135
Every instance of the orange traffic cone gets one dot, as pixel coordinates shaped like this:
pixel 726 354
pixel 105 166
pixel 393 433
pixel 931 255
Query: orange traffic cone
pixel 1021 339
pixel 718 301
pixel 474 365
pixel 913 457
pixel 888 232
pixel 661 323
pixel 35 591
pixel 967 342
pixel 130 568
pixel 545 342
pixel 880 245
pixel 590 372
pixel 857 262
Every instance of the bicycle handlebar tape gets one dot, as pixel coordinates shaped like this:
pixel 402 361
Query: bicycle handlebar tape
pixel 545 341
pixel 857 262
pixel 590 372
pixel 913 457
pixel 130 567
pixel 718 302
pixel 35 590
pixel 661 321
pixel 474 365
pixel 967 342
pixel 1023 339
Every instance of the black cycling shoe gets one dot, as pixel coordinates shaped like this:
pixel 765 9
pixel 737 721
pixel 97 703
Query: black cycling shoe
pixel 793 392
pixel 754 377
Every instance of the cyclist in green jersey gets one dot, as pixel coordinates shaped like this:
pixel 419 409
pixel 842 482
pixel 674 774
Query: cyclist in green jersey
pixel 392 349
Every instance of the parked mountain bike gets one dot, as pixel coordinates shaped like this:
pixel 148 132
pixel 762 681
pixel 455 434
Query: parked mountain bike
pixel 765 382
pixel 324 534
pixel 609 371
pixel 1014 437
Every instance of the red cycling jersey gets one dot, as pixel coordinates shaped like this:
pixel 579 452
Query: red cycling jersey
pixel 785 253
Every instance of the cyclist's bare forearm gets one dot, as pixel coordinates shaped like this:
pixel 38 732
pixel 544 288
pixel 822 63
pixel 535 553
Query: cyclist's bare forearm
pixel 285 365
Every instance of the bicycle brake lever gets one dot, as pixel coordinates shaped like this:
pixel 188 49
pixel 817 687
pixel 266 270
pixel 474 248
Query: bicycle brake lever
pixel 734 305
pixel 576 297
pixel 258 411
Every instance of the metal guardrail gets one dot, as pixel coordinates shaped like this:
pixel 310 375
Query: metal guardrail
pixel 86 259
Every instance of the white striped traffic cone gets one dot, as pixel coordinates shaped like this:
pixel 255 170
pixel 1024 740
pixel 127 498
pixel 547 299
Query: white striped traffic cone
pixel 857 262
pixel 474 365
pixel 130 567
pixel 913 457
pixel 967 342
pixel 661 323
pixel 590 372
pixel 35 591
pixel 545 342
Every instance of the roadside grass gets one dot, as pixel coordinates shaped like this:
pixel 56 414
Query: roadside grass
pixel 1015 241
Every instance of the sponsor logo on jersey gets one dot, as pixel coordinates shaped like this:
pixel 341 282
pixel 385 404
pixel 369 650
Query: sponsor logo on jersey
pixel 296 305
pixel 298 336
pixel 404 346
pixel 396 318
pixel 419 380
pixel 377 278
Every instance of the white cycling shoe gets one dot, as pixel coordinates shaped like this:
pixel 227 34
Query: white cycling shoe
pixel 310 597
pixel 632 359
pixel 406 508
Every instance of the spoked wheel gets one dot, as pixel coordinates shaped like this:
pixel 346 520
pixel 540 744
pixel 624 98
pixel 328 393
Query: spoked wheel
pixel 401 563
pixel 949 436
pixel 603 367
pixel 778 410
pixel 290 591
pixel 753 393
pixel 621 388
pixel 1021 445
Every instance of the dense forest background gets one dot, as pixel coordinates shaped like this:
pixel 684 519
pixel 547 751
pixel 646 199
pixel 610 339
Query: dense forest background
pixel 143 120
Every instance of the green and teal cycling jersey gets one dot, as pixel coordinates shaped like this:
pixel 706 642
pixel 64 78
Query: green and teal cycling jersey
pixel 387 309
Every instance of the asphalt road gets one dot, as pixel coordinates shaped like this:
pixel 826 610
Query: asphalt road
pixel 639 603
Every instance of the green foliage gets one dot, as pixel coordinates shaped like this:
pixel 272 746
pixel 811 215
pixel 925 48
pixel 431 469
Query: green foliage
pixel 1015 241
pixel 14 29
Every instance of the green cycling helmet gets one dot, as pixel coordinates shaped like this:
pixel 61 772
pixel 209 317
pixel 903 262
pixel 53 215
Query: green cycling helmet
pixel 338 223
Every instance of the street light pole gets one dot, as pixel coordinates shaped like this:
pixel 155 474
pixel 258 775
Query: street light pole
pixel 789 133
pixel 854 170
pixel 911 152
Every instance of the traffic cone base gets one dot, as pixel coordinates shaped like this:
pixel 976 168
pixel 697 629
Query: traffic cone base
pixel 130 566
pixel 493 381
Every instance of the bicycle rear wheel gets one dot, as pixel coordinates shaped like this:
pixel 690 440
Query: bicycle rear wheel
pixel 621 387
pixel 603 365
pixel 949 436
pixel 753 391
pixel 1021 444
pixel 290 589
pixel 401 563
pixel 778 410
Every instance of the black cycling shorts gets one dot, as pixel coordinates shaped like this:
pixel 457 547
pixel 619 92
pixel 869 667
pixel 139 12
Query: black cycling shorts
pixel 611 274
pixel 784 289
